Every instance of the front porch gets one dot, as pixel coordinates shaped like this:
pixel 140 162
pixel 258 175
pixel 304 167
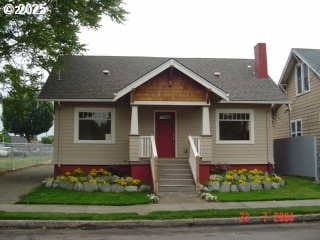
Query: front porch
pixel 171 145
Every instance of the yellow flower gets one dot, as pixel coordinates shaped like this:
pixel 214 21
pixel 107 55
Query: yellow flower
pixel 93 181
pixel 72 179
pixel 77 171
pixel 67 173
pixel 267 179
pixel 229 178
pixel 136 182
pixel 62 178
pixel 241 181
pixel 121 181
pixel 276 178
pixel 93 172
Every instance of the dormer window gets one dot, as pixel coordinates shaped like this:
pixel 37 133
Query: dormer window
pixel 302 79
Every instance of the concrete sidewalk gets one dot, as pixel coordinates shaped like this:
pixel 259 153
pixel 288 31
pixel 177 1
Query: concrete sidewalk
pixel 144 209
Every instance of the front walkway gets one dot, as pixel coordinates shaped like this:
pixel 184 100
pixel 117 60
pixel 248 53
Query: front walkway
pixel 144 209
pixel 14 184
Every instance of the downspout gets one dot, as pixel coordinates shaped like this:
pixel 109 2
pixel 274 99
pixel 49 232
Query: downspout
pixel 267 136
pixel 59 134
pixel 289 119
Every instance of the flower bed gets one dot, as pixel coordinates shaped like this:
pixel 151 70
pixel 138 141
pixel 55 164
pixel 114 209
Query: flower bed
pixel 243 180
pixel 96 180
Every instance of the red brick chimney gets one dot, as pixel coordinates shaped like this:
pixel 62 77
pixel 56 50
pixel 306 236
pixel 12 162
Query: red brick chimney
pixel 261 65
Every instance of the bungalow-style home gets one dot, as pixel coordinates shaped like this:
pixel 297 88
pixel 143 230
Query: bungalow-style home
pixel 167 121
pixel 300 81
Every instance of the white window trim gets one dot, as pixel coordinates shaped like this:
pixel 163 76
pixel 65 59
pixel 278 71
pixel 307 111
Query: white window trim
pixel 90 109
pixel 302 79
pixel 250 111
pixel 295 122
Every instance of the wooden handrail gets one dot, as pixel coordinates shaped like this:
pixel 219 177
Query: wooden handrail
pixel 194 159
pixel 154 164
pixel 154 147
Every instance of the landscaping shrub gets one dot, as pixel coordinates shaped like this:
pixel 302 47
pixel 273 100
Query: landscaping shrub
pixel 243 180
pixel 47 140
pixel 4 137
pixel 96 180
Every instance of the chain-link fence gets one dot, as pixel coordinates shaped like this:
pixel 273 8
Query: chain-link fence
pixel 19 155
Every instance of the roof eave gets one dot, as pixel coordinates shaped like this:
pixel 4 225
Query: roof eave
pixel 284 70
pixel 75 99
pixel 257 101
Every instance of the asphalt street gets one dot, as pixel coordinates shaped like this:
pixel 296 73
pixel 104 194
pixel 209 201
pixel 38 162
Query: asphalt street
pixel 305 231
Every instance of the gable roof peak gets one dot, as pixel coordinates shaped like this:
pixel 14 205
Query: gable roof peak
pixel 309 56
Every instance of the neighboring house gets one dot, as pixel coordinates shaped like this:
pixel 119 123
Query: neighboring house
pixel 106 109
pixel 300 81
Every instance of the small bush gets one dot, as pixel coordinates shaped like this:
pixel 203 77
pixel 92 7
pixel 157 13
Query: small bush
pixel 4 137
pixel 47 140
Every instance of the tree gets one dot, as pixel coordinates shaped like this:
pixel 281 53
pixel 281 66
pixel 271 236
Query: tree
pixel 24 115
pixel 32 43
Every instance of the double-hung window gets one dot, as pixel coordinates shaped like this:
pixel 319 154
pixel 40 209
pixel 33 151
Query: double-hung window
pixel 302 79
pixel 235 126
pixel 296 128
pixel 94 125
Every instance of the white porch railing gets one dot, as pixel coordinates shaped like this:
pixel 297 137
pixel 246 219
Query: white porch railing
pixel 148 149
pixel 145 146
pixel 196 140
pixel 194 158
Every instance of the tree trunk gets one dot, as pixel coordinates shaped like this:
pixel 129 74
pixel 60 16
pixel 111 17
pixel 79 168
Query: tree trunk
pixel 29 138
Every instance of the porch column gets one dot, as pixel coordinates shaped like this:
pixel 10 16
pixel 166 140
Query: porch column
pixel 205 121
pixel 134 129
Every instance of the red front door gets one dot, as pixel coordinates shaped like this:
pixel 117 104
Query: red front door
pixel 165 133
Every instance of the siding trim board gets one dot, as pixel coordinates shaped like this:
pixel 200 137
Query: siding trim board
pixel 171 103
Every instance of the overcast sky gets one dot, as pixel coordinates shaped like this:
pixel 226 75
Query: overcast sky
pixel 209 28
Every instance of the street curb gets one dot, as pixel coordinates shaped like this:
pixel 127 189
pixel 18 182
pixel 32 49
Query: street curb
pixel 81 224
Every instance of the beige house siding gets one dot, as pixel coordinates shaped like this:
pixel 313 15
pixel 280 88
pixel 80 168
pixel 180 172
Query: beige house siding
pixel 206 143
pixel 188 122
pixel 68 152
pixel 305 107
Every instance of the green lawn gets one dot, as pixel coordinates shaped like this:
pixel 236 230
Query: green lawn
pixel 43 195
pixel 8 163
pixel 295 188
pixel 208 213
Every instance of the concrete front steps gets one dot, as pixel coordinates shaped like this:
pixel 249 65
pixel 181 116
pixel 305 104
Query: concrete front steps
pixel 175 175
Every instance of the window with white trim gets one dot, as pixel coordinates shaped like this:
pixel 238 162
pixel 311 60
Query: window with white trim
pixel 235 126
pixel 302 79
pixel 94 125
pixel 296 128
